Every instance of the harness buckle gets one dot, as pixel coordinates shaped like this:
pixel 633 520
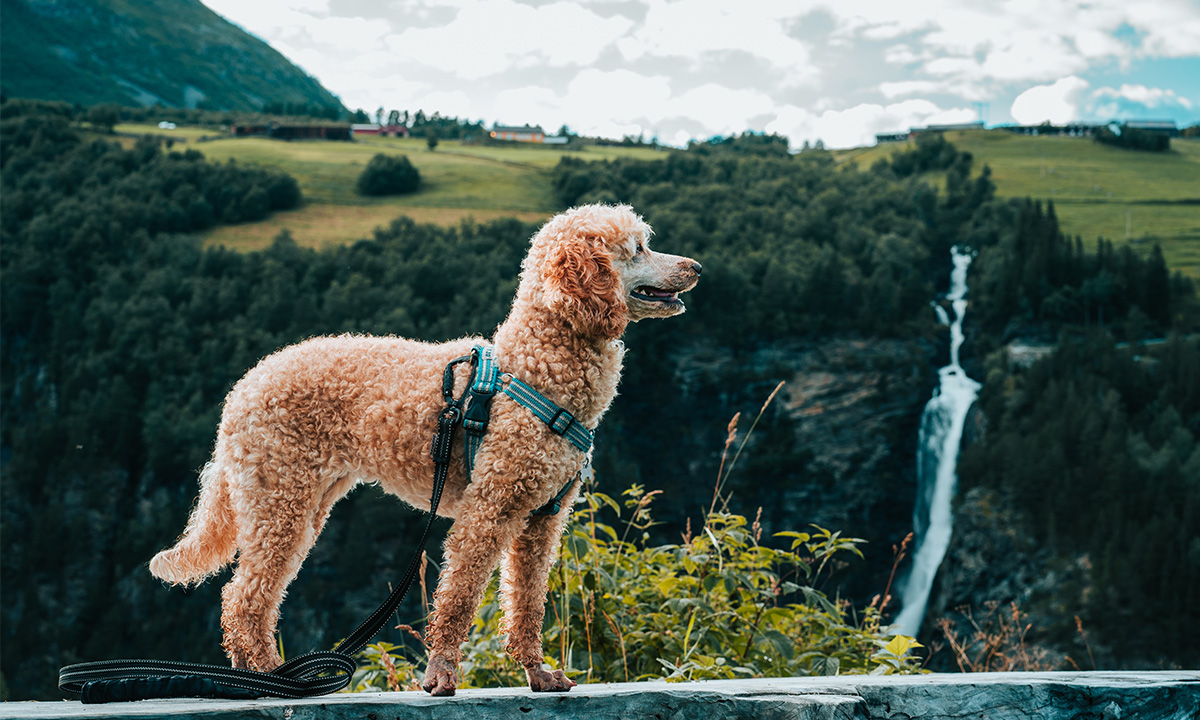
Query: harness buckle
pixel 554 421
pixel 478 413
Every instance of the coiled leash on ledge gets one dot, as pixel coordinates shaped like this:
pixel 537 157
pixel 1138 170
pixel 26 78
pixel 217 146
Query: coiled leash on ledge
pixel 327 671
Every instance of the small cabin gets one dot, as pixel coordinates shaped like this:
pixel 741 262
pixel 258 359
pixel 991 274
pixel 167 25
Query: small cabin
pixel 377 129
pixel 522 133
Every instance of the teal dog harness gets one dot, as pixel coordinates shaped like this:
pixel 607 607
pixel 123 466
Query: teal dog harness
pixel 486 382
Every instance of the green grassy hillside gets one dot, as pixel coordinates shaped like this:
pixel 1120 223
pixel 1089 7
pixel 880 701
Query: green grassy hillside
pixel 1098 190
pixel 141 52
pixel 457 181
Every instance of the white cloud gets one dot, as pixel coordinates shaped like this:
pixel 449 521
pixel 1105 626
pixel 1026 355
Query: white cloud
pixel 450 103
pixel 1057 103
pixel 271 18
pixel 1020 40
pixel 1032 56
pixel 892 90
pixel 595 102
pixel 901 55
pixel 691 28
pixel 1148 96
pixel 857 126
pixel 266 8
pixel 487 38
pixel 347 34
pixel 1136 101
pixel 1095 43
pixel 622 102
pixel 722 110
pixel 619 97
pixel 693 68
pixel 1172 29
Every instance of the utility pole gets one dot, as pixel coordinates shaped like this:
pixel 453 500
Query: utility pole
pixel 981 110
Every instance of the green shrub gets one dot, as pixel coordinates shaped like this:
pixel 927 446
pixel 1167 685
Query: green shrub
pixel 721 604
pixel 389 175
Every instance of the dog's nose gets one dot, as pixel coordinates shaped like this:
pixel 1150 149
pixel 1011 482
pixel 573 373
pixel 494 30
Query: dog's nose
pixel 697 267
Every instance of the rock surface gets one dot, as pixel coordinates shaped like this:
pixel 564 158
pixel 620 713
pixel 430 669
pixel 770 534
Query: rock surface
pixel 836 447
pixel 991 696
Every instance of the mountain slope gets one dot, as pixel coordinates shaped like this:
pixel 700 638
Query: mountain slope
pixel 141 52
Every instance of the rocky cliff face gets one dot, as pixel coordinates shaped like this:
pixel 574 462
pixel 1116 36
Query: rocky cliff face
pixel 994 566
pixel 836 447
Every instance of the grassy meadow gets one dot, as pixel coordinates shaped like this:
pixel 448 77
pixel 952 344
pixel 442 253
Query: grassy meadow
pixel 458 181
pixel 1098 190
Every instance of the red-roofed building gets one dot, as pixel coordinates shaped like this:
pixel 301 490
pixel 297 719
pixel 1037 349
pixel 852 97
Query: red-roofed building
pixel 376 129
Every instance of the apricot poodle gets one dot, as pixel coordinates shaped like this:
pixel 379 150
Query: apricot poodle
pixel 313 420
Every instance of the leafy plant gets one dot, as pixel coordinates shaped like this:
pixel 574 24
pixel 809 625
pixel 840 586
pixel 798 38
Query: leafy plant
pixel 719 604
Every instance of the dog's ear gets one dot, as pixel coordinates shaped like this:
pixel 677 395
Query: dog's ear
pixel 580 283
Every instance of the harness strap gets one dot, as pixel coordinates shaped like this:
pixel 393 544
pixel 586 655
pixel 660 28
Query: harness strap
pixel 559 420
pixel 488 380
pixel 483 389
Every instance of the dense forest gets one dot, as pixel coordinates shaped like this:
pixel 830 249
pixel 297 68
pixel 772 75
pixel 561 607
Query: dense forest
pixel 121 335
pixel 1095 445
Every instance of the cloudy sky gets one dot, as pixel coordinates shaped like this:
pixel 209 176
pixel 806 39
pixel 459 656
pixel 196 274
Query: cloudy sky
pixel 835 70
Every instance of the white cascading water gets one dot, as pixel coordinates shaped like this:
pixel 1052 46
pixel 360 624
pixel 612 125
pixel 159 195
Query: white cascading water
pixel 937 460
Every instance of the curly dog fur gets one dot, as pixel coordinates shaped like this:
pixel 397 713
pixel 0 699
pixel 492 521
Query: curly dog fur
pixel 314 419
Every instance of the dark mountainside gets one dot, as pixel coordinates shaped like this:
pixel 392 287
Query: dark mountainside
pixel 176 53
pixel 121 336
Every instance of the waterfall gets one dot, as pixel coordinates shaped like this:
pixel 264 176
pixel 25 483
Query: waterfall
pixel 937 459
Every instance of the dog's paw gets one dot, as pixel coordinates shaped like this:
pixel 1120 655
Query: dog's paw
pixel 440 678
pixel 542 680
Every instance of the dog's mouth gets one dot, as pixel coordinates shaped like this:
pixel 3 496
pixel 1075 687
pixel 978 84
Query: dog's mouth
pixel 651 294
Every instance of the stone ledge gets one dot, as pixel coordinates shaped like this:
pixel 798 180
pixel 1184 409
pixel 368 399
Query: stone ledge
pixel 1001 696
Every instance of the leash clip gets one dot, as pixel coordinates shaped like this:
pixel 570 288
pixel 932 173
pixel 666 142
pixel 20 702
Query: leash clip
pixel 443 440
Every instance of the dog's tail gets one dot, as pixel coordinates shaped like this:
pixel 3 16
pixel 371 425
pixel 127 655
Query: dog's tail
pixel 210 540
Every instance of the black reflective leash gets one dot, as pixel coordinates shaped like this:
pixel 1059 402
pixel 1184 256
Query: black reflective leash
pixel 317 673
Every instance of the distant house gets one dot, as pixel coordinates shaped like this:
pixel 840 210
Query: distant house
pixel 276 131
pixel 950 126
pixel 1074 129
pixel 522 133
pixel 881 138
pixel 376 129
pixel 1162 126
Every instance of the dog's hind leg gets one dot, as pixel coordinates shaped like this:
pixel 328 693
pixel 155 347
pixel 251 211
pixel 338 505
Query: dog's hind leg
pixel 275 536
pixel 524 574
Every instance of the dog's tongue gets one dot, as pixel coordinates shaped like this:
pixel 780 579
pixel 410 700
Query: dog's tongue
pixel 654 292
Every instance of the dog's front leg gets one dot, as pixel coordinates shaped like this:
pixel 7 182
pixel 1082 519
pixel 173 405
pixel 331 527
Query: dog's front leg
pixel 524 574
pixel 472 551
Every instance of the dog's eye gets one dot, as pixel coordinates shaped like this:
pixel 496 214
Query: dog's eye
pixel 639 249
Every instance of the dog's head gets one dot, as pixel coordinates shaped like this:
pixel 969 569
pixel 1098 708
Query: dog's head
pixel 595 267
